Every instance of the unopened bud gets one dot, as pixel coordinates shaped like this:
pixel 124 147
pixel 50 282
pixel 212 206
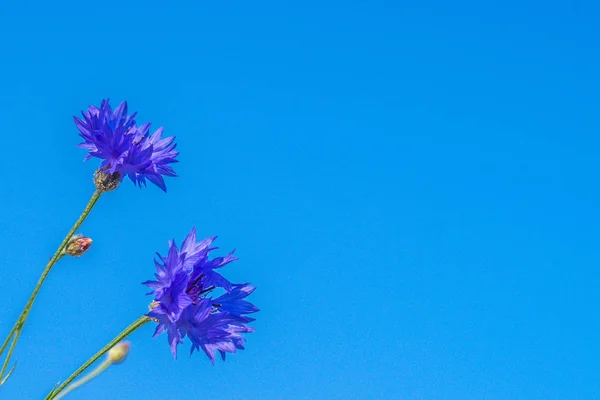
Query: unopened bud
pixel 78 245
pixel 117 354
pixel 105 182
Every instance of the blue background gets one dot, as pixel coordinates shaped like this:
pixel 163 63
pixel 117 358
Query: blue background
pixel 413 189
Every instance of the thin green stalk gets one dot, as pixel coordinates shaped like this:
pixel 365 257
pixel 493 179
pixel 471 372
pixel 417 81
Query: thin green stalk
pixel 16 330
pixel 101 368
pixel 126 332
pixel 10 335
pixel 10 350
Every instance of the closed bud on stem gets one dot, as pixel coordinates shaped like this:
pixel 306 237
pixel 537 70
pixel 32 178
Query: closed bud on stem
pixel 105 182
pixel 78 245
pixel 117 354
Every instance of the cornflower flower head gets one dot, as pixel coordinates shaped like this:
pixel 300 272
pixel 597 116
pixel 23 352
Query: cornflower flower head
pixel 183 305
pixel 125 148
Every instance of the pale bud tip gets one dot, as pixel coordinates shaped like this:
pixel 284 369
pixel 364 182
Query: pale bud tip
pixel 117 354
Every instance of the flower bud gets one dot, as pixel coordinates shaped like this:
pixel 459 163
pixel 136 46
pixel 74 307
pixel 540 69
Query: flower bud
pixel 106 182
pixel 117 354
pixel 78 245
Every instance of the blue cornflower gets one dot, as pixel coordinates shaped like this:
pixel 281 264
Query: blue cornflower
pixel 182 304
pixel 124 147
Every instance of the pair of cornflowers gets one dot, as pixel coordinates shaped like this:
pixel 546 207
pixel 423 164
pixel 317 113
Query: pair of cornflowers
pixel 186 281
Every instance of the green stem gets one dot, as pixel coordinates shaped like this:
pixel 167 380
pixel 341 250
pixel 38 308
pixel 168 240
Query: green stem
pixel 126 332
pixel 57 255
pixel 10 350
pixel 103 366
pixel 10 335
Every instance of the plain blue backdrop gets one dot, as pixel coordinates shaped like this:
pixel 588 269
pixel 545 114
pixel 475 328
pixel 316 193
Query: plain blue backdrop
pixel 413 189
